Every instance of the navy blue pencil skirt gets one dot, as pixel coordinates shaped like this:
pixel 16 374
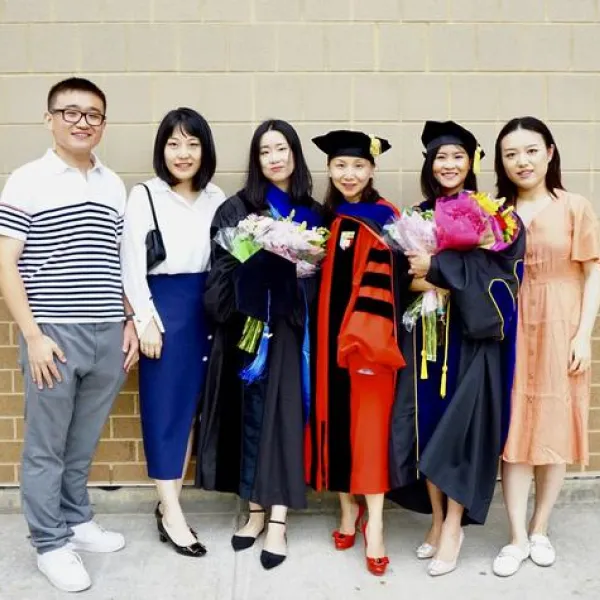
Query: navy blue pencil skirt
pixel 171 387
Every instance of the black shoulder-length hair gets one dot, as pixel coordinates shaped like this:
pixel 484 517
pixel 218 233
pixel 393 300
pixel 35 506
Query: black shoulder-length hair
pixel 192 124
pixel 300 188
pixel 505 187
pixel 431 188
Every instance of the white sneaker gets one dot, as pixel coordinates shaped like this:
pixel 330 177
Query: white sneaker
pixel 64 570
pixel 90 537
pixel 542 551
pixel 509 560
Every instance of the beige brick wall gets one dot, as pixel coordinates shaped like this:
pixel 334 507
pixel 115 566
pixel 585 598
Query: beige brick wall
pixel 380 65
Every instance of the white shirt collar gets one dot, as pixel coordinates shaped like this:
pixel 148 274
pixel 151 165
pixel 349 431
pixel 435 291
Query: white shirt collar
pixel 57 165
pixel 158 185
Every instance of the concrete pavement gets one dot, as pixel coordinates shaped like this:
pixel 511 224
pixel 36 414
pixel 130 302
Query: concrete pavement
pixel 147 569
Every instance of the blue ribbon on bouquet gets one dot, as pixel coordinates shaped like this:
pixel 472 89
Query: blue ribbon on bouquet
pixel 256 369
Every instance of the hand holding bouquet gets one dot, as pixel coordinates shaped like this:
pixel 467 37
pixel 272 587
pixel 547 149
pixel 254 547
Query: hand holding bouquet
pixel 295 242
pixel 463 222
pixel 415 231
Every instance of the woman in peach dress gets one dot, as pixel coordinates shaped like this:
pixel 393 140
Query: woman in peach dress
pixel 558 305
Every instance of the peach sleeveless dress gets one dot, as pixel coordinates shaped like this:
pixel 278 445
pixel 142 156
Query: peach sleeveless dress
pixel 549 419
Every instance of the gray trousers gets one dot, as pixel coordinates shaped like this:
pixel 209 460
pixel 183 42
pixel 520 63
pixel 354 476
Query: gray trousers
pixel 63 426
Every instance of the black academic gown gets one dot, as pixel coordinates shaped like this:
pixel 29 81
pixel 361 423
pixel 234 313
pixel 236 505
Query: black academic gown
pixel 455 441
pixel 250 438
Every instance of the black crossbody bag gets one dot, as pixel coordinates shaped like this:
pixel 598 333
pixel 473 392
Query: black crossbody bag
pixel 155 247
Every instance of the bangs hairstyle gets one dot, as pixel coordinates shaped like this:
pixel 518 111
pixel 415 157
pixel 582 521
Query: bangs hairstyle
pixel 191 124
pixel 300 188
pixel 504 186
pixel 430 186
pixel 74 84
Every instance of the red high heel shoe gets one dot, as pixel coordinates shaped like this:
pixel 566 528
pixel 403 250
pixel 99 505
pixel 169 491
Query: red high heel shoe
pixel 375 566
pixel 344 541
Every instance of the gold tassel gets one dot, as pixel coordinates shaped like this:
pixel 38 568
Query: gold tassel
pixel 443 384
pixel 375 146
pixel 424 374
pixel 445 366
pixel 477 161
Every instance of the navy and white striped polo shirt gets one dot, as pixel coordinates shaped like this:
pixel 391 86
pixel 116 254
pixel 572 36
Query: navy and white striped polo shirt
pixel 71 226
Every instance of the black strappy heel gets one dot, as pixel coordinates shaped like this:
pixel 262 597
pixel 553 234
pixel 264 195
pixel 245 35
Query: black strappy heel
pixel 270 560
pixel 243 542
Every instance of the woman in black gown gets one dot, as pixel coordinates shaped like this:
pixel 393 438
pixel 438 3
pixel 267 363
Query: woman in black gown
pixel 449 425
pixel 251 435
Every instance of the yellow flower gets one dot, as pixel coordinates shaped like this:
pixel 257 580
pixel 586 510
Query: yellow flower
pixel 487 203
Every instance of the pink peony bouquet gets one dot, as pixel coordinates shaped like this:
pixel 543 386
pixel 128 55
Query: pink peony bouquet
pixel 473 220
pixel 462 222
pixel 296 242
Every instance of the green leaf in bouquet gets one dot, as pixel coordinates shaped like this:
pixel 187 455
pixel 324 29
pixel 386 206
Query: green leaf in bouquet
pixel 244 247
pixel 250 335
pixel 431 335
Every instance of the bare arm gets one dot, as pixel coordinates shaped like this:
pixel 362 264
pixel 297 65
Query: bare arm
pixel 419 284
pixel 591 298
pixel 130 339
pixel 40 348
pixel 581 350
pixel 12 288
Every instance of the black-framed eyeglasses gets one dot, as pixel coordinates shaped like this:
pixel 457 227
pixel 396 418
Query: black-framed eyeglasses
pixel 73 116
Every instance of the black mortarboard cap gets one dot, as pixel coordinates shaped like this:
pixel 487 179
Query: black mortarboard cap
pixel 439 133
pixel 343 142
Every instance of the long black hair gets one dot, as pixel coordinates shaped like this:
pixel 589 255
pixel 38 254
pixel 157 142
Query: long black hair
pixel 300 188
pixel 505 187
pixel 192 124
pixel 430 186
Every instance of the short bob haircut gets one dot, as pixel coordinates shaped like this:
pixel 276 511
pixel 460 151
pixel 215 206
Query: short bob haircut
pixel 430 187
pixel 505 187
pixel 191 124
pixel 74 84
pixel 300 188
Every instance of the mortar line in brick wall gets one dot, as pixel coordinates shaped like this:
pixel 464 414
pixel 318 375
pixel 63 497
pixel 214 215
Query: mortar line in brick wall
pixel 376 47
pixel 277 35
pixel 254 21
pixel 135 73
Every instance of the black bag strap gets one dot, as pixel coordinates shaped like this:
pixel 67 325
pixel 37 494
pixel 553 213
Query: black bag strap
pixel 151 207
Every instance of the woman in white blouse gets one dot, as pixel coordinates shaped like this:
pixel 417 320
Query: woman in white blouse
pixel 168 305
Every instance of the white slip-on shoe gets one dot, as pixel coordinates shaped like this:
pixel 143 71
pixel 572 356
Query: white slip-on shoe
pixel 426 550
pixel 542 551
pixel 90 537
pixel 509 560
pixel 64 570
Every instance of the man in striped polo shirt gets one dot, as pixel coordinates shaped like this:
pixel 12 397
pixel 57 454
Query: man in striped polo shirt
pixel 60 225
